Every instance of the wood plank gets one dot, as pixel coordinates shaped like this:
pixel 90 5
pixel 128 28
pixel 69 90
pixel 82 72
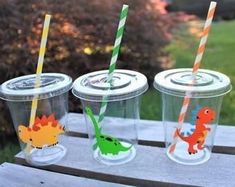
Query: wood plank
pixel 12 175
pixel 150 167
pixel 151 133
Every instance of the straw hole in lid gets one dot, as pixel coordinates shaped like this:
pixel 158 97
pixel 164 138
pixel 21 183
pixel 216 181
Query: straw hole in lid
pixel 100 81
pixel 30 83
pixel 183 78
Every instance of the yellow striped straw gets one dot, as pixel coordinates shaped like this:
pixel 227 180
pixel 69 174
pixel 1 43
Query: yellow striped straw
pixel 39 67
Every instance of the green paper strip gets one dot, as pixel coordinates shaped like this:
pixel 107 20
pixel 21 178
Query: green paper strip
pixel 112 65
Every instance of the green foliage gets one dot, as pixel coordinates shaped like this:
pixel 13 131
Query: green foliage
pixel 82 34
pixel 8 152
pixel 151 105
pixel 219 56
pixel 80 38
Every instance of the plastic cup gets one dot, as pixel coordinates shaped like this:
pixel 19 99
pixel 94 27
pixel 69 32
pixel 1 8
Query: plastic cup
pixel 41 142
pixel 196 138
pixel 118 135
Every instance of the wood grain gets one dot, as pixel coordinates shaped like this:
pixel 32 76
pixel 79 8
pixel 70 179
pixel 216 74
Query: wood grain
pixel 151 167
pixel 152 132
pixel 12 175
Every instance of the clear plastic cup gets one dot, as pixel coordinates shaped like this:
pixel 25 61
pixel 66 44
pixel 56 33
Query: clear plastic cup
pixel 40 142
pixel 196 137
pixel 115 143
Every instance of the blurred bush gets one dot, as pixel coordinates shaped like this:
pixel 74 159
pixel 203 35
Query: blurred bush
pixel 81 37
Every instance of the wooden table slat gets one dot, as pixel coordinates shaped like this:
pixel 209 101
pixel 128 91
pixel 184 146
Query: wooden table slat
pixel 12 175
pixel 151 133
pixel 150 167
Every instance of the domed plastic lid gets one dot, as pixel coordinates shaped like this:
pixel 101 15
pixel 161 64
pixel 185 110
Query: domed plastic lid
pixel 126 84
pixel 22 88
pixel 208 83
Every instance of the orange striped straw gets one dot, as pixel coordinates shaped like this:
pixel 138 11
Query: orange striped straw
pixel 196 66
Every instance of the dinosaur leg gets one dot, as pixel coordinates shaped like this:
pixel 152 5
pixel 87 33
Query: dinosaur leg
pixel 102 150
pixel 191 150
pixel 94 147
pixel 200 145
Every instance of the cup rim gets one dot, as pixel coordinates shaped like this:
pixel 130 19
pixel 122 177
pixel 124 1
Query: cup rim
pixel 10 92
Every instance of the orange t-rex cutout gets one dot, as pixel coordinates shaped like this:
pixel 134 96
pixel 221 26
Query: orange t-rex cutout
pixel 44 132
pixel 204 117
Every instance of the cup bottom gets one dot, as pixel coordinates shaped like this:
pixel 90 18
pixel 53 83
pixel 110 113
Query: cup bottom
pixel 182 156
pixel 47 155
pixel 121 158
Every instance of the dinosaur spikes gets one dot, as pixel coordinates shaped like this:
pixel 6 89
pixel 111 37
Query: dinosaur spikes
pixel 36 128
pixel 37 120
pixel 43 133
pixel 44 120
pixel 194 114
pixel 53 121
pixel 51 117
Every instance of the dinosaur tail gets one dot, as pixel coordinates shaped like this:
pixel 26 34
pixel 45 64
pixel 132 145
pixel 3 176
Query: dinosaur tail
pixel 93 120
pixel 182 137
pixel 126 148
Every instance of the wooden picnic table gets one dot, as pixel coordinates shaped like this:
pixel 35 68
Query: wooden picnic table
pixel 150 167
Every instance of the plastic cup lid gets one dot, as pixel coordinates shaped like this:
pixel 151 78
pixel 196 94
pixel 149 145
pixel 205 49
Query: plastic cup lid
pixel 208 83
pixel 22 88
pixel 126 84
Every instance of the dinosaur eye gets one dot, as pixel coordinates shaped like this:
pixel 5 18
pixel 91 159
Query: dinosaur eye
pixel 206 111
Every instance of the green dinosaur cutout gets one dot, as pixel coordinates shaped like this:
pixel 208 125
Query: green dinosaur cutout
pixel 106 144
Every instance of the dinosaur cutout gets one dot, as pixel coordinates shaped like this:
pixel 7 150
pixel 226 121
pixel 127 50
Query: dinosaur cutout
pixel 189 128
pixel 44 132
pixel 106 144
pixel 198 137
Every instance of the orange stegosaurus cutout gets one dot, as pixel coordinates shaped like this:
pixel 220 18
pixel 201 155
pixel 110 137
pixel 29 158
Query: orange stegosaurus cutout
pixel 44 132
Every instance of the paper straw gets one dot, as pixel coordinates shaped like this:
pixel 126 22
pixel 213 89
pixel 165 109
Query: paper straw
pixel 39 67
pixel 196 66
pixel 113 61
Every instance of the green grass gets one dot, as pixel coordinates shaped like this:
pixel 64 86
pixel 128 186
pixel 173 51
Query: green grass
pixel 8 152
pixel 219 56
pixel 151 105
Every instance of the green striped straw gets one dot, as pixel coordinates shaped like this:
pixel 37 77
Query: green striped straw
pixel 113 61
